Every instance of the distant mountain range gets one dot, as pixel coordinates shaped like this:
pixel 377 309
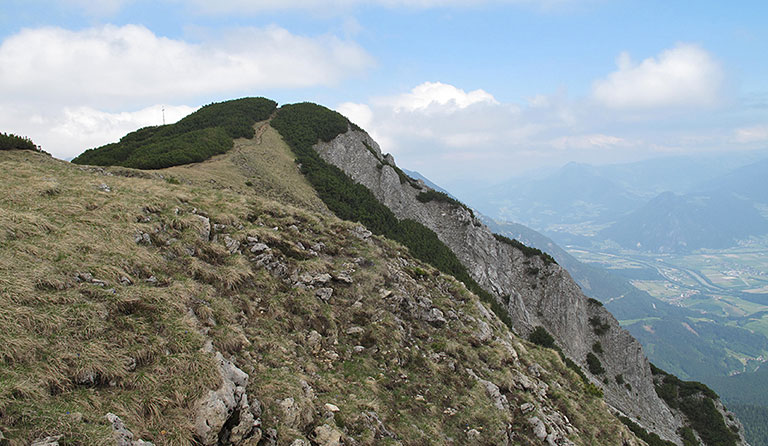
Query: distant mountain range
pixel 661 205
pixel 680 223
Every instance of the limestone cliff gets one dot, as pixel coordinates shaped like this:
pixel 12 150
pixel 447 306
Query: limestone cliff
pixel 535 292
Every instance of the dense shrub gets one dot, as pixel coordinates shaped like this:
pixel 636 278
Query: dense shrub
pixel 594 365
pixel 302 126
pixel 595 302
pixel 207 132
pixel 696 401
pixel 9 141
pixel 433 195
pixel 540 336
pixel 528 251
pixel 648 437
pixel 598 326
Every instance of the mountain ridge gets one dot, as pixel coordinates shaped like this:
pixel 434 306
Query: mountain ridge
pixel 533 270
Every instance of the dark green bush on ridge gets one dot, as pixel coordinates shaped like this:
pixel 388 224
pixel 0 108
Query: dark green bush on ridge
pixel 433 195
pixel 528 251
pixel 207 132
pixel 9 141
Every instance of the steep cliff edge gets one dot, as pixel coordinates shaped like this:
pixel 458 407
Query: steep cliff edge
pixel 536 291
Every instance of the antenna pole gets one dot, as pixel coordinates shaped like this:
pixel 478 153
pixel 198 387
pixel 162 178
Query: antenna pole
pixel 163 115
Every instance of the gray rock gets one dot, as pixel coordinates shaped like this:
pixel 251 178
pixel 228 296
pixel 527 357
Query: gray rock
pixel 314 341
pixel 377 426
pixel 321 279
pixel 142 238
pixel 205 230
pixel 324 294
pixel 259 247
pixel 231 244
pixel 360 232
pixel 555 302
pixel 527 408
pixel 342 277
pixel 326 435
pixel 355 330
pixel 539 429
pixel 216 408
pixel 121 434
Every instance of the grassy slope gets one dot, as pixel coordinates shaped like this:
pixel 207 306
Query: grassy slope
pixel 66 347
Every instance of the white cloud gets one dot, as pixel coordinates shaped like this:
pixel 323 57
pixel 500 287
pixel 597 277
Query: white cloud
pixel 130 65
pixel 68 131
pixel 360 114
pixel 683 76
pixel 757 133
pixel 437 96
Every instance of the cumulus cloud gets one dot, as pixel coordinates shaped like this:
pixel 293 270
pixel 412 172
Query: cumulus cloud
pixel 437 96
pixel 683 76
pixel 131 65
pixel 68 131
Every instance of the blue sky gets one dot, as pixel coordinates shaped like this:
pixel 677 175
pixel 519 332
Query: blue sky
pixel 459 90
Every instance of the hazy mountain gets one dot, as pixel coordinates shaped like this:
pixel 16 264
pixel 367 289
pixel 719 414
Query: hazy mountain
pixel 682 223
pixel 750 181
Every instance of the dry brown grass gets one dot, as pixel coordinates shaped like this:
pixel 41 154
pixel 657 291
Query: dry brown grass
pixel 73 349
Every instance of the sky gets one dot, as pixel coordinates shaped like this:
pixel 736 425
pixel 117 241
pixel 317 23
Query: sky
pixel 461 91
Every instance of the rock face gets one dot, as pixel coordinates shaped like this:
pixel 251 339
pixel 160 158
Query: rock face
pixel 536 293
pixel 225 414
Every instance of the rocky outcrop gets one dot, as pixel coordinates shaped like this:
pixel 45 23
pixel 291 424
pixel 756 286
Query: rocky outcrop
pixel 535 292
pixel 225 416
pixel 123 436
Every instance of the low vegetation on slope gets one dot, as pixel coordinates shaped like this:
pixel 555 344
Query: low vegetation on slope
pixel 197 137
pixel 119 292
pixel 302 126
pixel 697 402
pixel 9 141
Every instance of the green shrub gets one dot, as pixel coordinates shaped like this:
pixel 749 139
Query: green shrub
pixel 594 365
pixel 689 439
pixel 597 347
pixel 598 326
pixel 619 379
pixel 595 302
pixel 528 251
pixel 696 401
pixel 593 390
pixel 540 336
pixel 648 437
pixel 9 141
pixel 433 195
pixel 207 132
